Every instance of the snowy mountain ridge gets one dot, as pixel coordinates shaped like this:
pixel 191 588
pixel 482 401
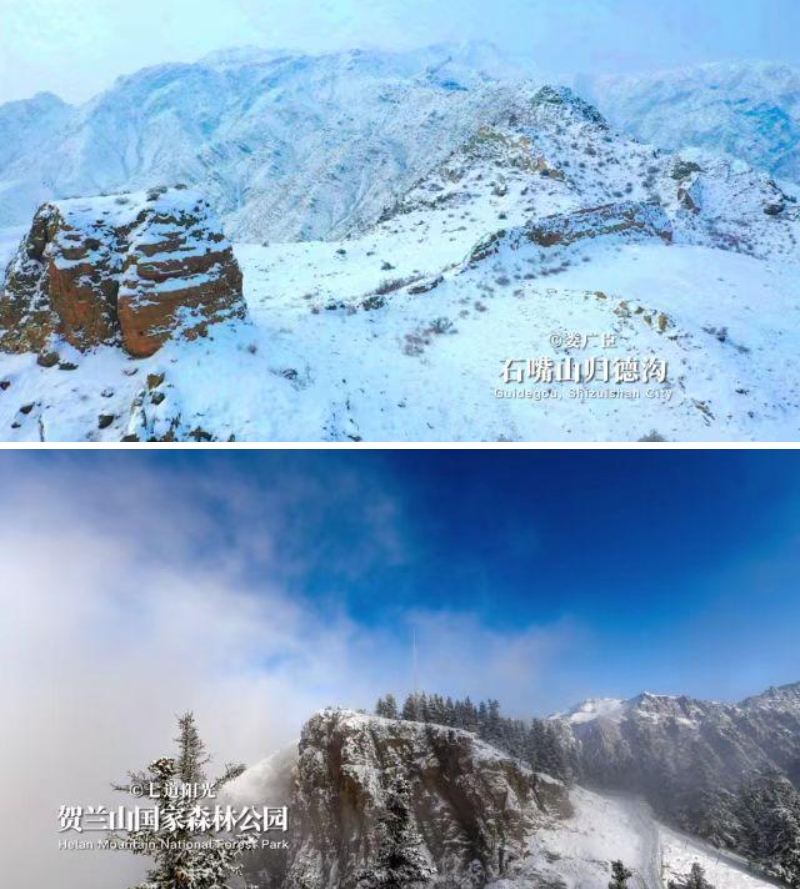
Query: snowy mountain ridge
pixel 295 147
pixel 785 698
pixel 285 146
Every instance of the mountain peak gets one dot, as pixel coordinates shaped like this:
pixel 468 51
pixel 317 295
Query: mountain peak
pixel 564 96
pixel 594 708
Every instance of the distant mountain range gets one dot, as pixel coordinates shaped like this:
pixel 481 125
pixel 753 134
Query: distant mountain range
pixel 685 755
pixel 297 147
pixel 748 110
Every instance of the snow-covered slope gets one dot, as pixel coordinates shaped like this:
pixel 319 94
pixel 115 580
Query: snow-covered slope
pixel 576 853
pixel 722 869
pixel 749 110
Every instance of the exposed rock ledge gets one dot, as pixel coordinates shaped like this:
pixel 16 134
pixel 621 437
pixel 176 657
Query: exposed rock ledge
pixel 134 269
pixel 627 217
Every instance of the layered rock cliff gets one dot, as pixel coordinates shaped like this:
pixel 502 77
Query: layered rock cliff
pixel 135 269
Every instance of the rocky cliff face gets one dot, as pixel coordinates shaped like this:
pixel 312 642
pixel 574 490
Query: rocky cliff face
pixel 472 808
pixel 135 269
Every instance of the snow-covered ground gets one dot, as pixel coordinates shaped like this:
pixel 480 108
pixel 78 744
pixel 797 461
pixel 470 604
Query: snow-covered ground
pixel 576 853
pixel 316 364
pixel 723 869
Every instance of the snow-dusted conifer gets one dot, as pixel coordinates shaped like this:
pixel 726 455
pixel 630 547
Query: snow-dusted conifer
pixel 695 879
pixel 185 854
pixel 387 707
pixel 400 863
pixel 192 757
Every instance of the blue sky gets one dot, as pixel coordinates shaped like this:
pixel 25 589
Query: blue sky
pixel 607 573
pixel 78 48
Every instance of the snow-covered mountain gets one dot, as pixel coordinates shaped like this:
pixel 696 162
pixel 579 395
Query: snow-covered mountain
pixel 289 146
pixel 285 146
pixel 749 110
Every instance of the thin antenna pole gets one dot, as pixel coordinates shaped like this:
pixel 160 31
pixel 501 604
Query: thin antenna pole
pixel 414 659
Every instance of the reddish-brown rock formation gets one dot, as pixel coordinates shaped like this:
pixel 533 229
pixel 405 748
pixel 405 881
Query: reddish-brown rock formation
pixel 135 269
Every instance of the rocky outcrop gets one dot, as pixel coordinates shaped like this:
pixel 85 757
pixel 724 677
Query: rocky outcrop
pixel 135 269
pixel 564 100
pixel 472 807
pixel 628 217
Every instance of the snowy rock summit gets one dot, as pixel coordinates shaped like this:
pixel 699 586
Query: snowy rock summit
pixel 466 810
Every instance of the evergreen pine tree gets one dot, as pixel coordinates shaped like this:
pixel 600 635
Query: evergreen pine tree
pixel 470 716
pixel 483 719
pixel 387 707
pixel 423 708
pixel 437 712
pixel 399 863
pixel 409 710
pixel 769 813
pixel 390 706
pixel 192 757
pixel 184 858
pixel 695 879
